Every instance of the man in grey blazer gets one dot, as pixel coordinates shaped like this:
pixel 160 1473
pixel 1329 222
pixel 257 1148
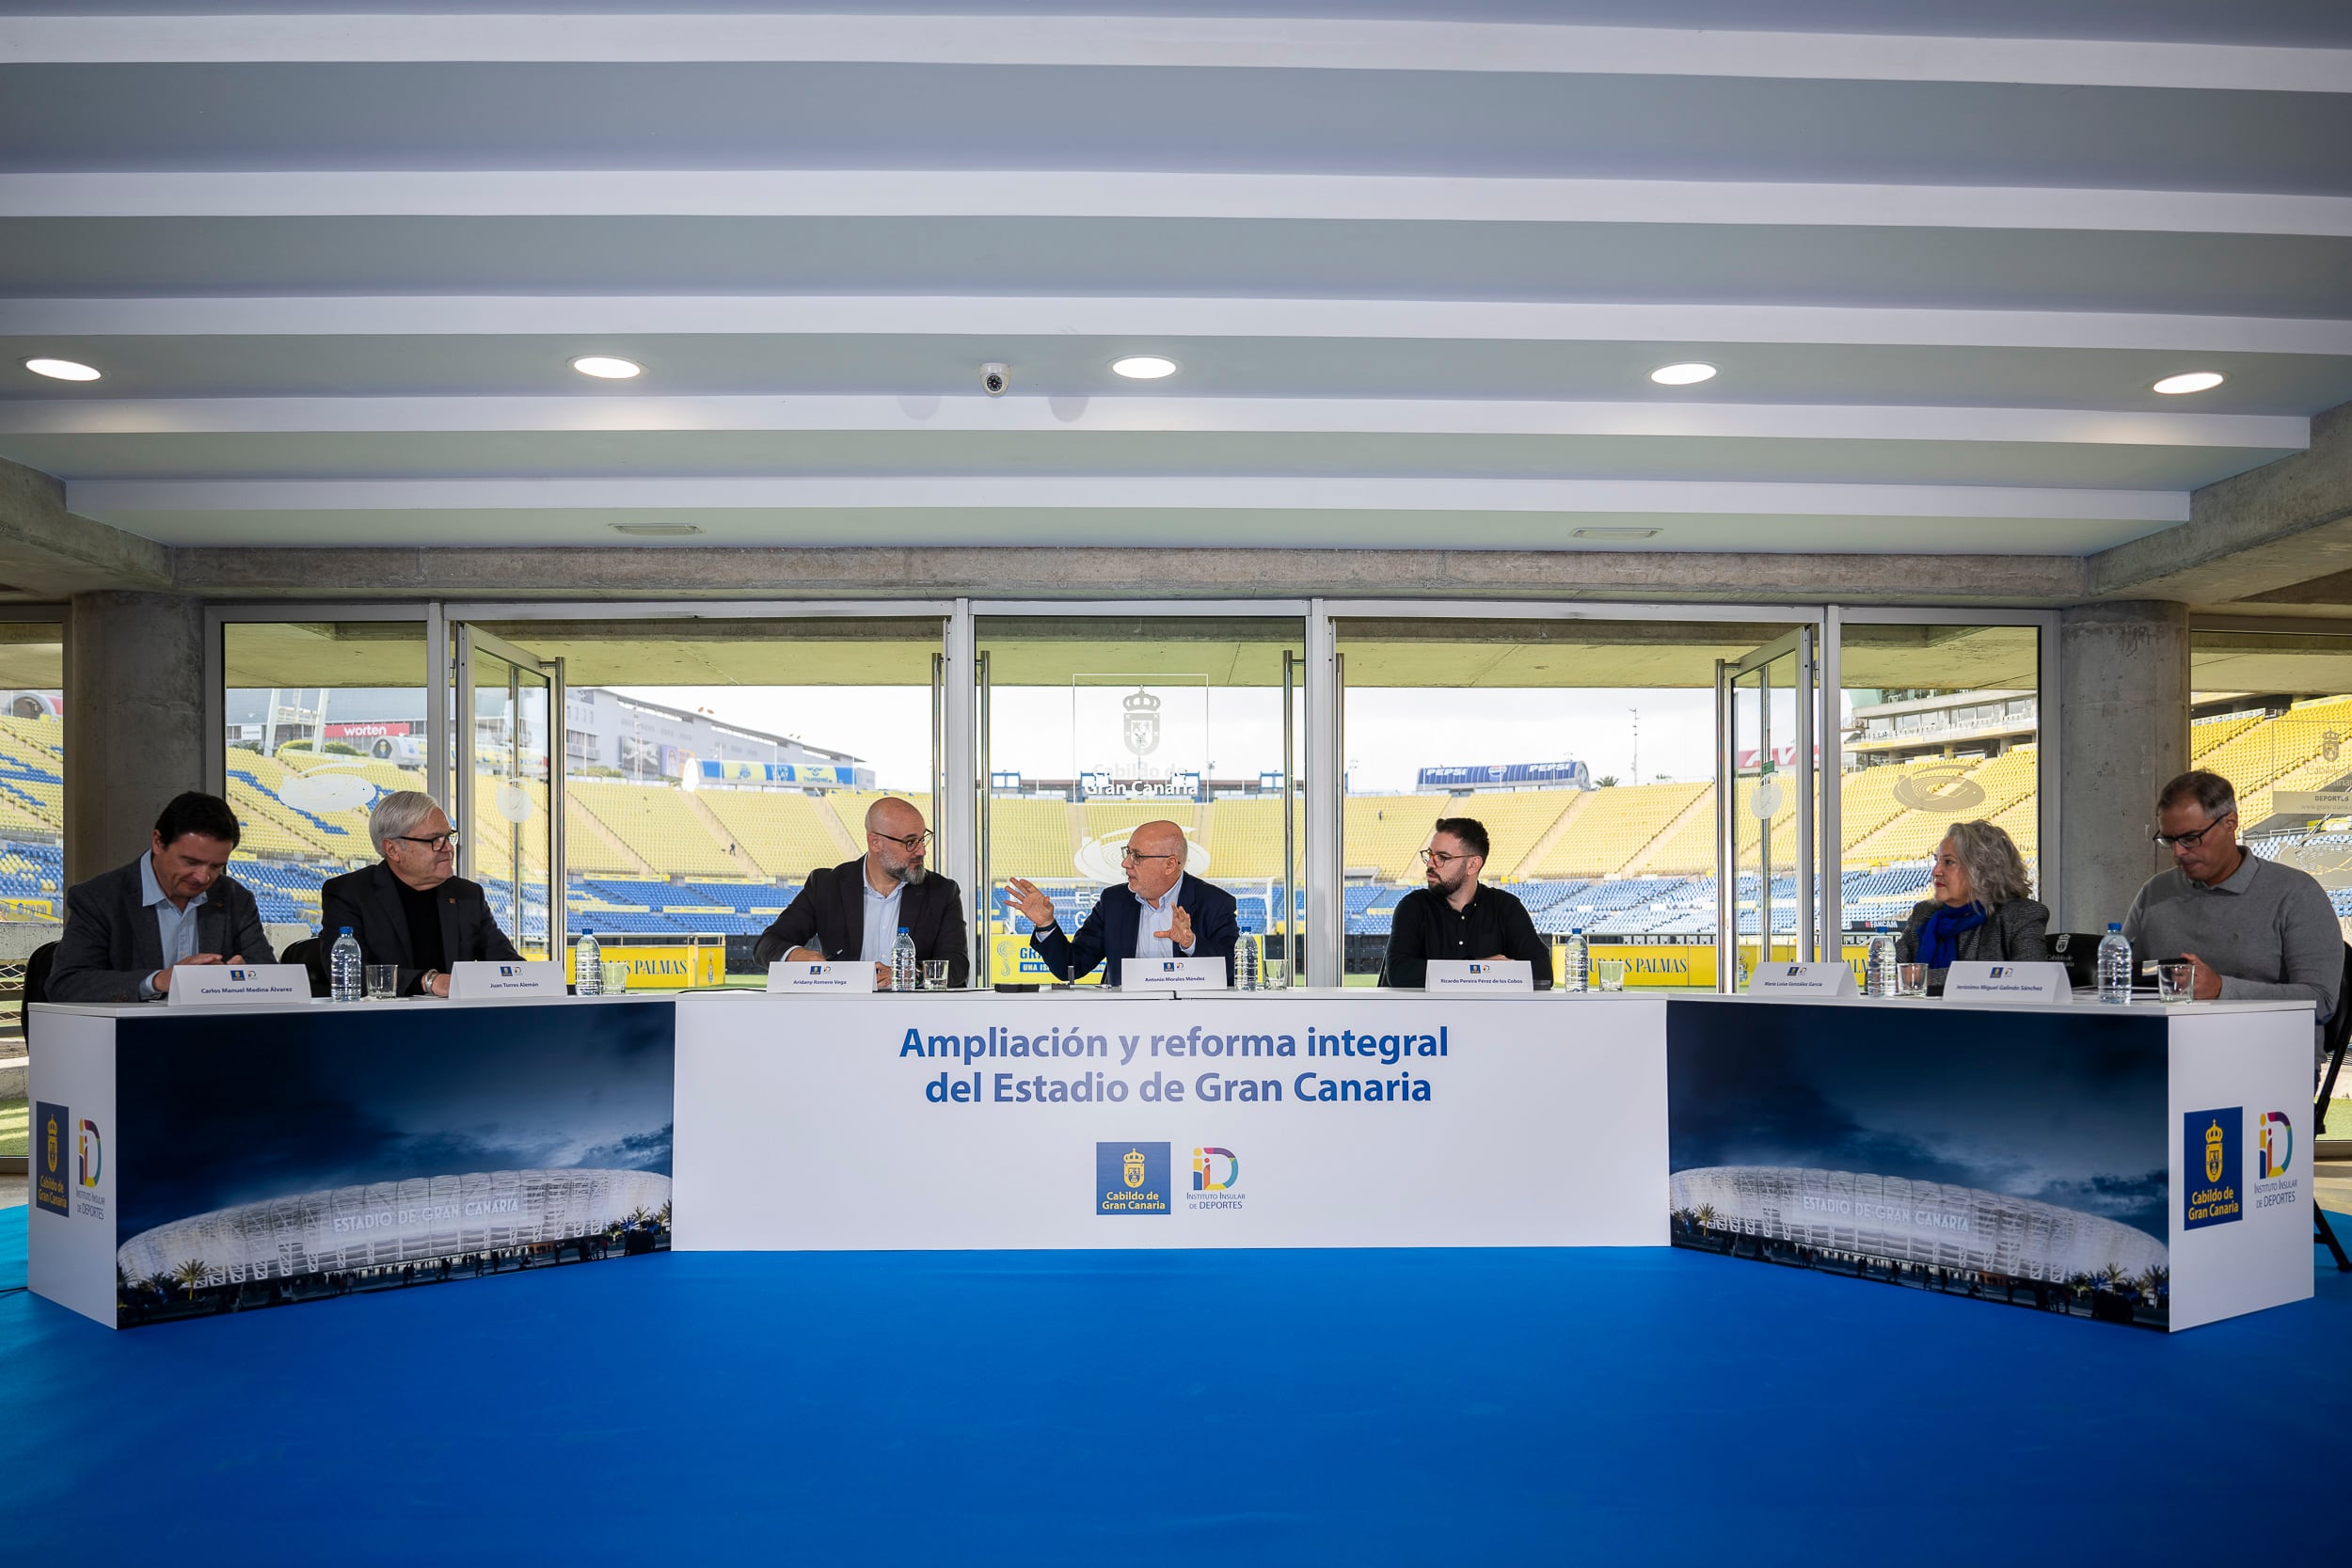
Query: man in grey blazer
pixel 407 909
pixel 129 929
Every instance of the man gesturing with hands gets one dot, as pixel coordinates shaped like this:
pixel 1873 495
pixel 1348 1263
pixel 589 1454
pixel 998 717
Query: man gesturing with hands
pixel 1162 912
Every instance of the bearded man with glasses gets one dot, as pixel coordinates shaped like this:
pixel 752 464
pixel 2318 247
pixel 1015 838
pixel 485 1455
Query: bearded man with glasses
pixel 1162 912
pixel 857 909
pixel 2254 929
pixel 410 909
pixel 1456 916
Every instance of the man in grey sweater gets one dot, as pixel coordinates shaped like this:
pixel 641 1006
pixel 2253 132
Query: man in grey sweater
pixel 2257 931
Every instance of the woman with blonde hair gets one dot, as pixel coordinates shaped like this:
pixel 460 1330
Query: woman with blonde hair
pixel 1983 908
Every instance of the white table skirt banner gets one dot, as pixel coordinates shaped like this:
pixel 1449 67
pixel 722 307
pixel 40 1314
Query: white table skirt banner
pixel 1306 1119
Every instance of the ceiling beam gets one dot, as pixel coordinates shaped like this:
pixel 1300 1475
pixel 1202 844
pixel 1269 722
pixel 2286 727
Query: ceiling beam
pixel 2254 533
pixel 47 552
pixel 900 315
pixel 1140 494
pixel 619 572
pixel 1124 194
pixel 1142 412
pixel 1223 42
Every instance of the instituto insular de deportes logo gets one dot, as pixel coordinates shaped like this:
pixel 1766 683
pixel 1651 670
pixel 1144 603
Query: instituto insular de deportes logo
pixel 2273 1157
pixel 1216 1180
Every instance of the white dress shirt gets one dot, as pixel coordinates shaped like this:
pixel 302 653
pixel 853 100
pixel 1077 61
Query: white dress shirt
pixel 174 925
pixel 1158 917
pixel 881 919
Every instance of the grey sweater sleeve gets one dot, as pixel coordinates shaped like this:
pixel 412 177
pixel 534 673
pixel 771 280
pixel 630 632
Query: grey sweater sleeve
pixel 2312 946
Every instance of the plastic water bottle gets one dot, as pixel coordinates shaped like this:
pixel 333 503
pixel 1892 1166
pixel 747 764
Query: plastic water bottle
pixel 1880 977
pixel 903 964
pixel 1575 961
pixel 347 979
pixel 1246 964
pixel 2115 966
pixel 588 966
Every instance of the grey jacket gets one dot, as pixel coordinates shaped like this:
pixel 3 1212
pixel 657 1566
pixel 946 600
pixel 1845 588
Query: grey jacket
pixel 2015 930
pixel 110 941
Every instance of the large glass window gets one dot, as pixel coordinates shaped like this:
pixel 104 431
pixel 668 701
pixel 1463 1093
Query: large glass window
pixel 1096 726
pixel 1938 724
pixel 32 838
pixel 2272 712
pixel 709 765
pixel 320 717
pixel 1587 747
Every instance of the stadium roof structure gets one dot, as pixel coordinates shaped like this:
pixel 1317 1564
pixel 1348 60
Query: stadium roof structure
pixel 1933 1224
pixel 390 1222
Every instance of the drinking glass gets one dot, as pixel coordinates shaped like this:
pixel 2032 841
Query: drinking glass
pixel 2176 981
pixel 383 982
pixel 934 975
pixel 1911 979
pixel 1609 974
pixel 1270 973
pixel 615 977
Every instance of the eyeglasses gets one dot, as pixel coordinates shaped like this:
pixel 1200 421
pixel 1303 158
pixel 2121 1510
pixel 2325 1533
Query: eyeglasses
pixel 2190 841
pixel 1440 858
pixel 1128 857
pixel 437 842
pixel 912 844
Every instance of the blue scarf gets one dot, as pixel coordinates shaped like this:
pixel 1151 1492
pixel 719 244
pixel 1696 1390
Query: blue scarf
pixel 1939 937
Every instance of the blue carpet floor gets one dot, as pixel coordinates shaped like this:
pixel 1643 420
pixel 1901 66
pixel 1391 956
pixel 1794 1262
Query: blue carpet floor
pixel 1220 1408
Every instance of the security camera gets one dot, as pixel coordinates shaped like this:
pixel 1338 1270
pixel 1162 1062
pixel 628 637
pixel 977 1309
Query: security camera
pixel 994 377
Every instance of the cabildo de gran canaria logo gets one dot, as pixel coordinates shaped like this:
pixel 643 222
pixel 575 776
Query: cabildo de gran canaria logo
pixel 49 1184
pixel 1131 1179
pixel 2210 1150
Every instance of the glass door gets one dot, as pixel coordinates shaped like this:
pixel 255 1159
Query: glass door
pixel 1767 802
pixel 1089 727
pixel 509 808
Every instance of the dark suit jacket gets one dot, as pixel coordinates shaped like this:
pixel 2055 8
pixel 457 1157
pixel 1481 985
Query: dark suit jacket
pixel 110 943
pixel 832 910
pixel 2015 930
pixel 368 901
pixel 1108 935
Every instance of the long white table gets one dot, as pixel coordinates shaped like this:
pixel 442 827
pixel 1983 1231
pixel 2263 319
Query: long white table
pixel 2154 1160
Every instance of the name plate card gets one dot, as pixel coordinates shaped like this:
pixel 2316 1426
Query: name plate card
pixel 1979 981
pixel 1787 979
pixel 1172 975
pixel 482 981
pixel 238 984
pixel 1489 976
pixel 819 975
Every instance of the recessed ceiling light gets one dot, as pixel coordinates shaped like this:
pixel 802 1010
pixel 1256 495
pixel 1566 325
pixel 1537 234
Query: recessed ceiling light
pixel 658 530
pixel 1144 367
pixel 1682 375
pixel 605 367
pixel 2192 381
pixel 1615 533
pixel 61 370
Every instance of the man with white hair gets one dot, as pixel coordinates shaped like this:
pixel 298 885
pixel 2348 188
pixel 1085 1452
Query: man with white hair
pixel 408 908
pixel 857 909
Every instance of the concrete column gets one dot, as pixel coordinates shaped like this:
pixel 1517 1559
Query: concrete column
pixel 2123 707
pixel 135 720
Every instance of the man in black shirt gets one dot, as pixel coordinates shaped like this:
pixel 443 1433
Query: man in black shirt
pixel 408 910
pixel 1457 917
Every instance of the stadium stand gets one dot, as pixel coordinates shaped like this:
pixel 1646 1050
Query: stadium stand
pixel 1025 832
pixel 1384 833
pixel 849 805
pixel 1245 838
pixel 784 831
pixel 1515 820
pixel 1620 822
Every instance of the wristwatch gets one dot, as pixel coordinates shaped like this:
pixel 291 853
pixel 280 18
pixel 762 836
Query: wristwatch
pixel 424 984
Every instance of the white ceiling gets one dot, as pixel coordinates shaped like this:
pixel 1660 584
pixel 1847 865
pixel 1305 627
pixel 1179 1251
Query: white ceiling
pixel 1415 262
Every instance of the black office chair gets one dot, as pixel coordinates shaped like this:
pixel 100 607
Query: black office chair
pixel 2079 952
pixel 36 983
pixel 311 953
pixel 2332 1053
